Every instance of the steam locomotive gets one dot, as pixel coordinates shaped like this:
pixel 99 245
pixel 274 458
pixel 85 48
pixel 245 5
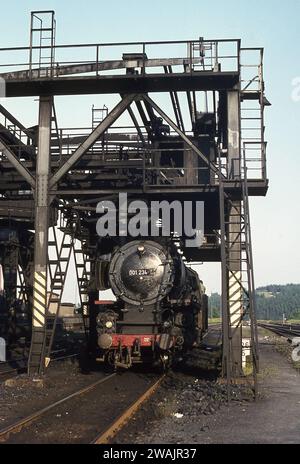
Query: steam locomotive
pixel 160 310
pixel 15 320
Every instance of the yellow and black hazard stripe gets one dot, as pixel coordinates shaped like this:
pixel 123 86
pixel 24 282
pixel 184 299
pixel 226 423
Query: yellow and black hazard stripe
pixel 235 298
pixel 39 299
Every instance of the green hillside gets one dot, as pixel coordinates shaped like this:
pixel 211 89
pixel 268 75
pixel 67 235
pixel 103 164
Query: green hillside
pixel 272 301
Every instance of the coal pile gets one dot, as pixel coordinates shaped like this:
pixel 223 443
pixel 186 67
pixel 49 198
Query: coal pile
pixel 183 403
pixel 195 397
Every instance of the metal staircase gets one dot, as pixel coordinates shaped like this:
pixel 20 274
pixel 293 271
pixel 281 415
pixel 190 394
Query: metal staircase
pixel 238 290
pixel 22 288
pixel 58 263
pixel 17 137
pixel 56 143
pixel 83 275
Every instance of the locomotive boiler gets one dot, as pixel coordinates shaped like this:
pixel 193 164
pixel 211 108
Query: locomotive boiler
pixel 160 310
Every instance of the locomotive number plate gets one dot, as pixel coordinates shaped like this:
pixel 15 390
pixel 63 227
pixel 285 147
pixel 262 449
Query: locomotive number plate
pixel 140 272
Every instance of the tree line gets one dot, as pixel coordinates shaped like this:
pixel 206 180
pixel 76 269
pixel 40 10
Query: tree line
pixel 273 302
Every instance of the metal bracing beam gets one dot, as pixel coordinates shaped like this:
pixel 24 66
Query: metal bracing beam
pixel 191 99
pixel 179 132
pixel 135 122
pixel 176 99
pixel 191 108
pixel 37 352
pixel 22 170
pixel 100 66
pixel 125 84
pixel 15 121
pixel 258 188
pixel 143 116
pixel 175 103
pixel 92 138
pixel 149 110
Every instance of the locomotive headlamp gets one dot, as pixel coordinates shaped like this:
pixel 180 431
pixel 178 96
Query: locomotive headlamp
pixel 105 341
pixel 141 249
pixel 108 324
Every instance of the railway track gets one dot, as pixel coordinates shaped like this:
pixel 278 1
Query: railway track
pixel 108 420
pixel 288 330
pixel 19 425
pixel 122 420
pixel 20 369
pixel 7 368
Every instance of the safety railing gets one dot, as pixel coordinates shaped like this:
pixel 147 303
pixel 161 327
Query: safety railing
pixel 253 102
pixel 122 145
pixel 100 59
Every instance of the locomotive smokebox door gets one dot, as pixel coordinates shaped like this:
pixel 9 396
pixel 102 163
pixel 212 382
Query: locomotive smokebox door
pixel 141 273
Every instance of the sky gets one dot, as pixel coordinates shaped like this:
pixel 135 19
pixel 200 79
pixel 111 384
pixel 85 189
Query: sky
pixel 272 24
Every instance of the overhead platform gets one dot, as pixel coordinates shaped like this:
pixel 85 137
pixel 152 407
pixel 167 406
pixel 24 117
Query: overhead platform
pixel 86 85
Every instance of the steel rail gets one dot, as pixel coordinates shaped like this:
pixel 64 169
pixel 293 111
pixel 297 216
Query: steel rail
pixel 20 368
pixel 12 371
pixel 17 426
pixel 122 420
pixel 290 330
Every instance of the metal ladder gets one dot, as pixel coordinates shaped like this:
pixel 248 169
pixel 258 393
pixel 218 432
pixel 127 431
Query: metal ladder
pixel 58 263
pixel 249 294
pixel 42 39
pixel 253 103
pixel 56 142
pixel 238 290
pixel 83 274
pixel 98 115
pixel 22 289
pixel 58 269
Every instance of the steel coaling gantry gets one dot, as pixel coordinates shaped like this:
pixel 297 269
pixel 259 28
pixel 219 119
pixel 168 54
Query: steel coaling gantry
pixel 194 129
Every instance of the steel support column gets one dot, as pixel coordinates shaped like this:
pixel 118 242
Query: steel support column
pixel 37 355
pixel 234 143
pixel 235 304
